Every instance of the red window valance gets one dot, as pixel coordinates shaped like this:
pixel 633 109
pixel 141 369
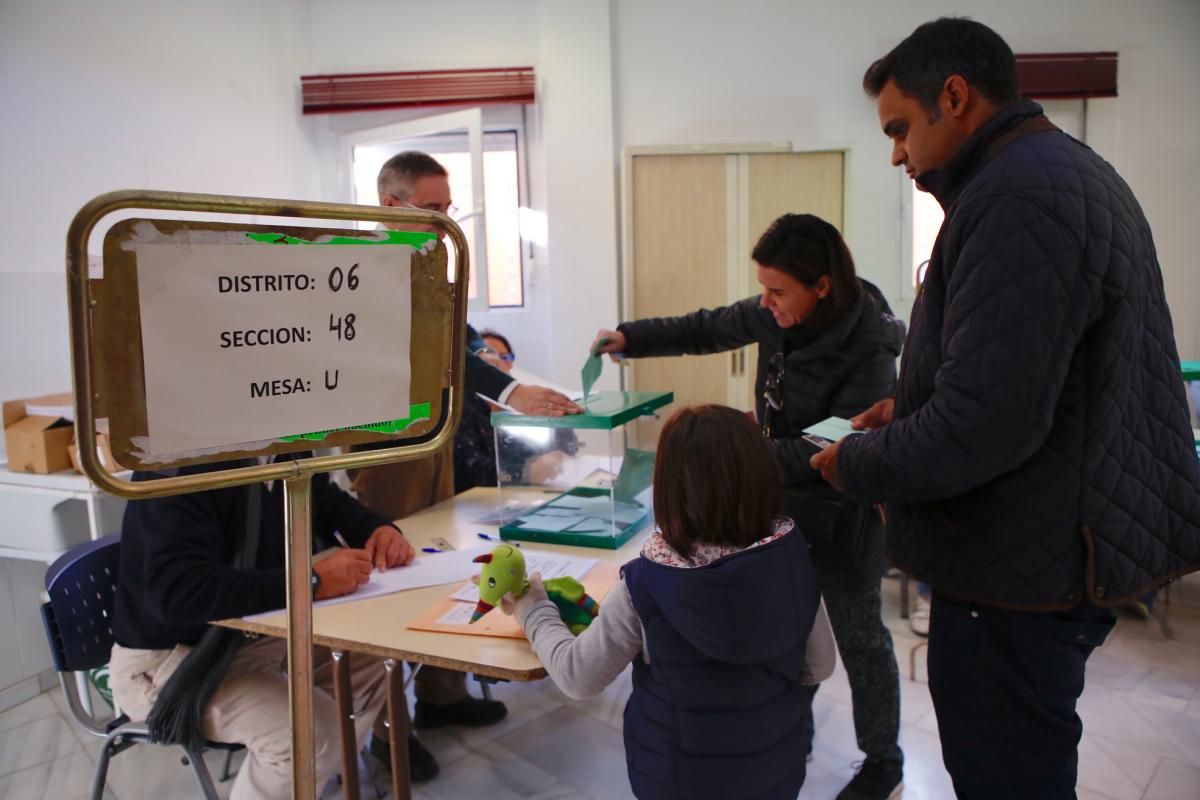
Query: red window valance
pixel 1067 75
pixel 371 91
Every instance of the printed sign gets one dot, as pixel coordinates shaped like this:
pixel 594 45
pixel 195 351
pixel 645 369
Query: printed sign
pixel 251 343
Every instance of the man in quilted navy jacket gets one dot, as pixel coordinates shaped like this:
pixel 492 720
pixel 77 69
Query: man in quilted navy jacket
pixel 1036 464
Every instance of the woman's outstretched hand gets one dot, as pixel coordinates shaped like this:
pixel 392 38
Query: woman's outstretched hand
pixel 611 342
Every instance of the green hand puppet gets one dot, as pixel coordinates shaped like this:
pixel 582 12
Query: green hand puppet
pixel 504 572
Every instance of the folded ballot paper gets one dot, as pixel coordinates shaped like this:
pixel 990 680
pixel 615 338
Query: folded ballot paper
pixel 828 431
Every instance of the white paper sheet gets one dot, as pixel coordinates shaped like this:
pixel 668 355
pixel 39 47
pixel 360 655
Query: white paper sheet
pixel 299 348
pixel 550 565
pixel 459 614
pixel 427 569
pixel 64 411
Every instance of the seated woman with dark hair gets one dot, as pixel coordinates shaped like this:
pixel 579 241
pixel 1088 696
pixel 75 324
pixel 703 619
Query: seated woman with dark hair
pixel 475 443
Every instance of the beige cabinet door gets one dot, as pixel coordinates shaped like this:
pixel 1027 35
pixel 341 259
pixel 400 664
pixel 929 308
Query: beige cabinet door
pixel 679 234
pixel 693 222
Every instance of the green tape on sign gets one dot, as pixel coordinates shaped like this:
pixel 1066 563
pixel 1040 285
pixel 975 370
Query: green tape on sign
pixel 410 238
pixel 415 414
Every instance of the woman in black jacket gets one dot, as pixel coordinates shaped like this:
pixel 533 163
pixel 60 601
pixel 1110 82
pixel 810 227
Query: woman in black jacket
pixel 827 347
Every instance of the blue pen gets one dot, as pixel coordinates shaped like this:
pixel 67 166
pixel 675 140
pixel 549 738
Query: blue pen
pixel 430 550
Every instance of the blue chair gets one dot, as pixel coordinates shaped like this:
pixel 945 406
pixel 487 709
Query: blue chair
pixel 82 586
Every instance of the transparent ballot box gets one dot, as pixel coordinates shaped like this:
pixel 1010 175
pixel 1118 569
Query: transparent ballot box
pixel 575 479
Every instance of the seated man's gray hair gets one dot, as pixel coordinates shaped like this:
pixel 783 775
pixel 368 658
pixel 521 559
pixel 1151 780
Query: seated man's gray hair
pixel 401 171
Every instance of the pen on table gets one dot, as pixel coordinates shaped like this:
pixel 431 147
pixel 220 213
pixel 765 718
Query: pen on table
pixel 431 550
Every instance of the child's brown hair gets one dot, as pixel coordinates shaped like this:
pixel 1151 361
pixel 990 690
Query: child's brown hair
pixel 715 479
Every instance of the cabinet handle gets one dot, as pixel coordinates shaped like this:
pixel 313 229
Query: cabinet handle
pixel 733 364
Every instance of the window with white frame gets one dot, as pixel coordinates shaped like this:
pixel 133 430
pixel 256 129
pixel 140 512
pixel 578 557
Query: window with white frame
pixel 493 214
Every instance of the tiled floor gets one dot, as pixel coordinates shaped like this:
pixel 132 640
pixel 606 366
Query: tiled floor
pixel 1141 713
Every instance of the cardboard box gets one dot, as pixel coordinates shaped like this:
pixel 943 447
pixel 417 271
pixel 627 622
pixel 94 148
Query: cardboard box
pixel 103 453
pixel 37 443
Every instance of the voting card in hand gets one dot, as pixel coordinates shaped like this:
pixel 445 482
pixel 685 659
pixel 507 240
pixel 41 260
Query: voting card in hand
pixel 828 431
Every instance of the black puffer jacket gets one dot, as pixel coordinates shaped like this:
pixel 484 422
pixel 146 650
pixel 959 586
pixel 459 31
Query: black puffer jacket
pixel 1041 452
pixel 836 372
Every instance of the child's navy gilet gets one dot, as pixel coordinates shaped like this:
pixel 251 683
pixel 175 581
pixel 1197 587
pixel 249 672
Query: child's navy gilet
pixel 721 710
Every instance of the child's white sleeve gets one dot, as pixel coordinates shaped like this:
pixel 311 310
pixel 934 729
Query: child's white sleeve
pixel 581 666
pixel 821 653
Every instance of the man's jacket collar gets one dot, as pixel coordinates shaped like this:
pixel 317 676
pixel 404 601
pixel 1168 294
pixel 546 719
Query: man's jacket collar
pixel 947 182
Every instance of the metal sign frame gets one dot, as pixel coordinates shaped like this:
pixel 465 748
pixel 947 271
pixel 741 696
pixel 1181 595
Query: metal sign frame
pixel 296 474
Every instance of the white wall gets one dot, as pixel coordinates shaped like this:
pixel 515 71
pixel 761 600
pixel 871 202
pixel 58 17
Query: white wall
pixel 700 71
pixel 200 97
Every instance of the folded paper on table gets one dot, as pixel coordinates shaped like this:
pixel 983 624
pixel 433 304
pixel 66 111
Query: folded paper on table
pixel 452 616
pixel 425 570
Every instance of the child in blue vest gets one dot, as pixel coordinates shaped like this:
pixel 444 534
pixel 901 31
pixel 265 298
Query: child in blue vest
pixel 720 616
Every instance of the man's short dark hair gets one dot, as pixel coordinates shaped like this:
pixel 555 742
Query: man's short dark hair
pixel 806 247
pixel 920 64
pixel 716 480
pixel 401 171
